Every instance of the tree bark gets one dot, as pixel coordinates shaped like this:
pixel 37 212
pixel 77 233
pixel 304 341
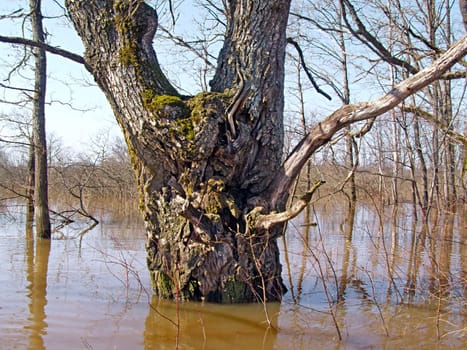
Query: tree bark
pixel 202 162
pixel 30 185
pixel 208 166
pixel 463 8
pixel 41 201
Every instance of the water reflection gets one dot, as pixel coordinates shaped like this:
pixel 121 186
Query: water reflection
pixel 463 249
pixel 391 282
pixel 307 224
pixel 36 275
pixel 209 326
pixel 443 275
pixel 348 226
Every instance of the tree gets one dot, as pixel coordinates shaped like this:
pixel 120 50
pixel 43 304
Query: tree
pixel 209 167
pixel 199 173
pixel 41 202
pixel 463 8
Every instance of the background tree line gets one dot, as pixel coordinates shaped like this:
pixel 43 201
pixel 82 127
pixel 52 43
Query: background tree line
pixel 82 185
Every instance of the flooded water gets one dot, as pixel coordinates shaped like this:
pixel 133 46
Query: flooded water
pixel 388 283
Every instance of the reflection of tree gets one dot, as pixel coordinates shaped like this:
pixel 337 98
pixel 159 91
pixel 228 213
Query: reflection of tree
pixel 415 257
pixel 348 234
pixel 288 267
pixel 439 246
pixel 432 251
pixel 209 326
pixel 304 255
pixel 444 258
pixel 36 275
pixel 463 248
pixel 391 261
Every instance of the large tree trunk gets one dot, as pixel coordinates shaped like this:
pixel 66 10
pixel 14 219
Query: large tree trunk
pixel 202 162
pixel 208 167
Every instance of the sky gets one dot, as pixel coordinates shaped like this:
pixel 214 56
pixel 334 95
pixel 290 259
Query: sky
pixel 77 112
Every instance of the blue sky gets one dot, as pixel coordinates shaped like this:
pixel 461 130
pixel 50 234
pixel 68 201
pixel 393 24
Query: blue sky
pixel 91 116
pixel 77 112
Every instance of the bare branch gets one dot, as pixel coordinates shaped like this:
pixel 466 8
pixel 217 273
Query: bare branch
pixel 215 11
pixel 52 49
pixel 13 191
pixel 363 131
pixel 181 42
pixel 455 75
pixel 459 138
pixel 11 142
pixel 349 114
pixel 15 88
pixel 15 14
pixel 307 71
pixel 171 10
pixel 370 41
pixel 317 23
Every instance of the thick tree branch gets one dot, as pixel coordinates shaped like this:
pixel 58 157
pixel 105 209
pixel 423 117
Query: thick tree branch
pixel 52 49
pixel 265 222
pixel 349 114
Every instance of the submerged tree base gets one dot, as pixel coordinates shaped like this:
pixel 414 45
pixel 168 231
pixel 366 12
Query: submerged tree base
pixel 215 265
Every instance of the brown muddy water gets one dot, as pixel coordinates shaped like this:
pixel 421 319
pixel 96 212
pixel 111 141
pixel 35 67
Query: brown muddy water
pixel 390 284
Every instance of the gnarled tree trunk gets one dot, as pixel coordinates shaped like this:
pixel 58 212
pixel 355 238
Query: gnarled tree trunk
pixel 209 171
pixel 202 162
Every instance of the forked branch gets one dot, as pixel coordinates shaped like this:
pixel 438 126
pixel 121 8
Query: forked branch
pixel 307 70
pixel 267 221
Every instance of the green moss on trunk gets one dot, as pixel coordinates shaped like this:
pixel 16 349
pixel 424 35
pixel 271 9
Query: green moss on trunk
pixel 127 55
pixel 163 285
pixel 155 103
pixel 234 291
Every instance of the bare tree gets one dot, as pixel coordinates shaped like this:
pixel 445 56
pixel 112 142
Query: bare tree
pixel 41 201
